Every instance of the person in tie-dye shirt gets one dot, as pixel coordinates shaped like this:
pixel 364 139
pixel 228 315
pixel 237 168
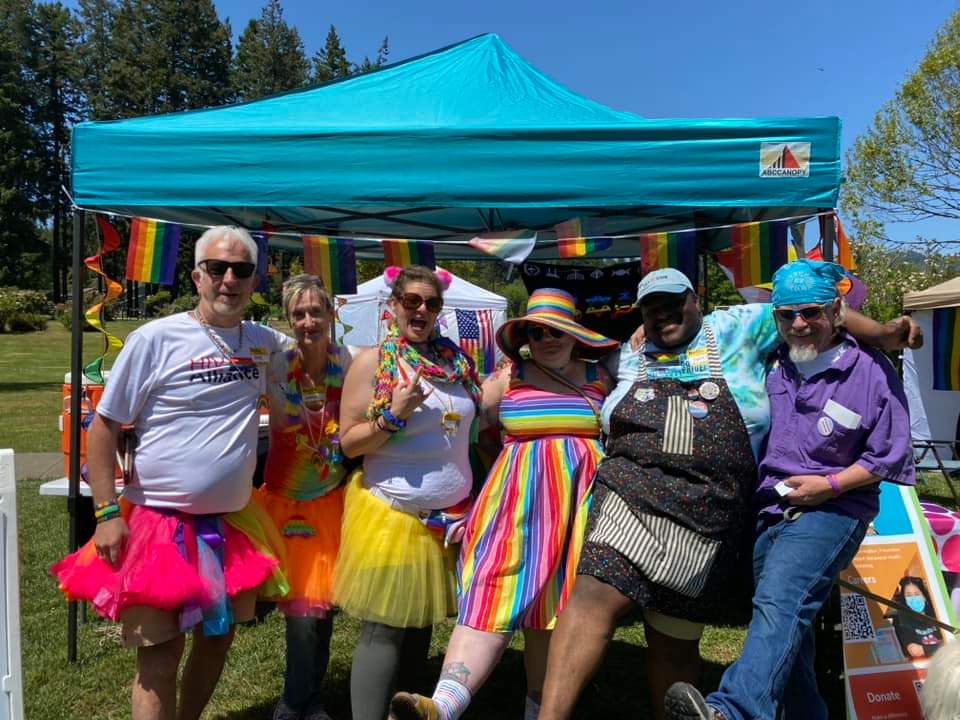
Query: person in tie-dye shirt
pixel 669 530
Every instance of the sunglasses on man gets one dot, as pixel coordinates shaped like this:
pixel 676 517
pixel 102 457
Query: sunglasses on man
pixel 536 332
pixel 809 314
pixel 412 301
pixel 218 268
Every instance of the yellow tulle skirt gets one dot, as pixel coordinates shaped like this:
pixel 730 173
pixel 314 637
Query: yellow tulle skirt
pixel 311 536
pixel 391 569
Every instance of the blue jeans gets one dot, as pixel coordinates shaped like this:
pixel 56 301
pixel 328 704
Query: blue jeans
pixel 795 564
pixel 308 653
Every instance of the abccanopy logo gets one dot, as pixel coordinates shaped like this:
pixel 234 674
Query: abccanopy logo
pixel 780 160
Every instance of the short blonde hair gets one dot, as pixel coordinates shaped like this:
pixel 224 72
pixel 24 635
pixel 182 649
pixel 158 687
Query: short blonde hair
pixel 297 285
pixel 940 697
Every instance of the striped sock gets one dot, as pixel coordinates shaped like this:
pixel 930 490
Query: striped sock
pixel 451 699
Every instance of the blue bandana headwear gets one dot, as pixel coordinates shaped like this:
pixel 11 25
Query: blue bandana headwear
pixel 806 281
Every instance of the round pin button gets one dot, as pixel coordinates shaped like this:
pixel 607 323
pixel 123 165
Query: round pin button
pixel 709 390
pixel 693 394
pixel 698 409
pixel 825 426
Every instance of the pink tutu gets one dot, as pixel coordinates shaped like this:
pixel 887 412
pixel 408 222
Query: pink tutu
pixel 154 572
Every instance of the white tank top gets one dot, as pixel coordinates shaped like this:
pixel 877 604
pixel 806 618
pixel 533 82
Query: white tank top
pixel 423 465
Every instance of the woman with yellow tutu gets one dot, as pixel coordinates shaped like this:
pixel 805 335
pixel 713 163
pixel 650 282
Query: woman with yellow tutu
pixel 303 488
pixel 408 409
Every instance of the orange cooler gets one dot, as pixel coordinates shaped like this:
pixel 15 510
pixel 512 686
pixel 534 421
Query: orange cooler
pixel 92 392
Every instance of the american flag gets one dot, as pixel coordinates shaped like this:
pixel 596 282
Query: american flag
pixel 475 328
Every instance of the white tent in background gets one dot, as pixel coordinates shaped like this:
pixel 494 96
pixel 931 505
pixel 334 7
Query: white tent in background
pixel 360 317
pixel 933 413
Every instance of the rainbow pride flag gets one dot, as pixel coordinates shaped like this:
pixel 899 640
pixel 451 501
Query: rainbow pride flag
pixel 409 252
pixel 574 237
pixel 513 246
pixel 946 349
pixel 756 251
pixel 844 254
pixel 670 249
pixel 152 252
pixel 333 260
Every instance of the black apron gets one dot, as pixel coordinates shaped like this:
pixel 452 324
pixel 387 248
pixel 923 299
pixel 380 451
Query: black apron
pixel 670 524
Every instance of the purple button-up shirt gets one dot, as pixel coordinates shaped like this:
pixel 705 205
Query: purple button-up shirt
pixel 853 412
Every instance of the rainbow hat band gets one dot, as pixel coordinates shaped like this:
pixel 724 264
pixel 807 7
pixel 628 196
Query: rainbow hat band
pixel 552 308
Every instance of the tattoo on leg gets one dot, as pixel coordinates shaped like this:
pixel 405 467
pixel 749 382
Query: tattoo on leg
pixel 455 671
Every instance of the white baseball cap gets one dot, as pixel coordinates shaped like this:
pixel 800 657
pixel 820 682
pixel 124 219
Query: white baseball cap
pixel 667 280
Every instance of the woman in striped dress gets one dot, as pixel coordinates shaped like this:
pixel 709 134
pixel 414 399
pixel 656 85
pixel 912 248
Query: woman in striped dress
pixel 522 542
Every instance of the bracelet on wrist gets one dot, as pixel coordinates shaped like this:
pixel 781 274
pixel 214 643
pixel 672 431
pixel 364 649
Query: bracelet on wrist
pixel 834 485
pixel 105 518
pixel 392 419
pixel 381 424
pixel 112 502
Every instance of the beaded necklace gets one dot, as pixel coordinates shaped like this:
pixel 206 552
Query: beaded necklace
pixel 326 448
pixel 444 362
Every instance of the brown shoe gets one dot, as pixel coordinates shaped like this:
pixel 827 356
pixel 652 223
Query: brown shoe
pixel 410 706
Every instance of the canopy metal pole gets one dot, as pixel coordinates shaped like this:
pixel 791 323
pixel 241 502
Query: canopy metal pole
pixel 829 237
pixel 76 386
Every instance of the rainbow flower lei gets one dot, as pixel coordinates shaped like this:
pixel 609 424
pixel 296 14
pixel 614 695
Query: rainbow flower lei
pixel 453 367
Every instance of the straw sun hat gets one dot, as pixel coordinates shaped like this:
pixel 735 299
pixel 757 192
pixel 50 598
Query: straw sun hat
pixel 556 309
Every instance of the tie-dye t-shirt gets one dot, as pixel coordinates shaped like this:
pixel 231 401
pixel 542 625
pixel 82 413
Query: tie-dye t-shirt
pixel 745 334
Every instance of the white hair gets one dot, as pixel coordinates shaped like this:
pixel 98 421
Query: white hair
pixel 223 232
pixel 940 697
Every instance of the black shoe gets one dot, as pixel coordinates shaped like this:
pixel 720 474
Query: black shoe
pixel 284 712
pixel 684 702
pixel 316 712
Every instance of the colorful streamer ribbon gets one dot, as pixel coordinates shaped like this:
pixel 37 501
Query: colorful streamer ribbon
pixel 109 242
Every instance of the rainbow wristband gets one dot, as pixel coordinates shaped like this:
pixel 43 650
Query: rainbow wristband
pixel 392 419
pixel 834 485
pixel 107 513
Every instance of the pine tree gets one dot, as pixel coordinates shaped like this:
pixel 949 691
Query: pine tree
pixel 330 62
pixel 383 53
pixel 270 56
pixel 19 166
pixel 94 26
pixel 58 105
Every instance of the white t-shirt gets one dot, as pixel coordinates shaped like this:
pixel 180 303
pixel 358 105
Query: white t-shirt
pixel 194 406
pixel 423 465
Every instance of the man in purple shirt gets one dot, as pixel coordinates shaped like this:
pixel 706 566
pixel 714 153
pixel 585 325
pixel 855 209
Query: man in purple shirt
pixel 839 426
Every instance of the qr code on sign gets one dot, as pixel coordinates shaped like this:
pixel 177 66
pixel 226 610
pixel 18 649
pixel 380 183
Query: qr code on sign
pixel 855 617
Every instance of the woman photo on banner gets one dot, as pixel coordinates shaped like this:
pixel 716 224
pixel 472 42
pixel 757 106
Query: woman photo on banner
pixel 522 542
pixel 919 638
pixel 303 487
pixel 409 408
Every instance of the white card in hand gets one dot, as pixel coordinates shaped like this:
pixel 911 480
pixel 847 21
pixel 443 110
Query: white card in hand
pixel 782 488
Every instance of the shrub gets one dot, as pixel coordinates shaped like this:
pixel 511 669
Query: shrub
pixel 27 322
pixel 156 303
pixel 16 303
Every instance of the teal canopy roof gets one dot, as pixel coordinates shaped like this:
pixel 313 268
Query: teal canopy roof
pixel 467 139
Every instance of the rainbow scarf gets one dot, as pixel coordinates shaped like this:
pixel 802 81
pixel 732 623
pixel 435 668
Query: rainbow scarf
pixel 453 367
pixel 329 441
pixel 573 237
pixel 756 251
pixel 946 349
pixel 333 260
pixel 152 252
pixel 670 250
pixel 403 253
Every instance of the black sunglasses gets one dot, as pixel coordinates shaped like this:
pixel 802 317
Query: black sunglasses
pixel 218 268
pixel 809 314
pixel 412 301
pixel 536 332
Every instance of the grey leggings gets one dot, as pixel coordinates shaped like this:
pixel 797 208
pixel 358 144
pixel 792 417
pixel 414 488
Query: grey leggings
pixel 386 658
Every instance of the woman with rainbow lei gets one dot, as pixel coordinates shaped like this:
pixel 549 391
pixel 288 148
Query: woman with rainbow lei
pixel 408 408
pixel 303 488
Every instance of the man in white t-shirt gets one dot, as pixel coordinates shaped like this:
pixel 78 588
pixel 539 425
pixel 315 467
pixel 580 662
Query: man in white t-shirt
pixel 176 559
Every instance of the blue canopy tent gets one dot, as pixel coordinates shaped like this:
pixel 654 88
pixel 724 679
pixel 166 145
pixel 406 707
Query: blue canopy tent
pixel 461 141
pixel 467 139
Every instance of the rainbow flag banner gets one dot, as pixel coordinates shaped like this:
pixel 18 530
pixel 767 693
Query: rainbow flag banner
pixel 670 249
pixel 946 349
pixel 756 251
pixel 513 246
pixel 575 237
pixel 333 260
pixel 409 252
pixel 152 252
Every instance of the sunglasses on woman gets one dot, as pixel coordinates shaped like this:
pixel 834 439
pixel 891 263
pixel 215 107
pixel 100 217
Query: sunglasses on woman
pixel 536 332
pixel 218 268
pixel 412 301
pixel 809 314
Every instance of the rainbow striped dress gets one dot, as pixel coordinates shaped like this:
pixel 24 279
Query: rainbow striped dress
pixel 519 555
